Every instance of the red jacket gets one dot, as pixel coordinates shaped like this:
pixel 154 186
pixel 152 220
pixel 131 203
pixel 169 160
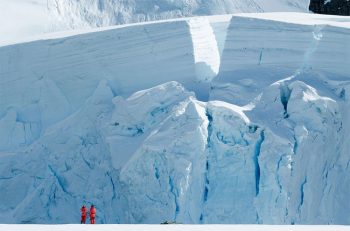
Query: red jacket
pixel 92 212
pixel 83 211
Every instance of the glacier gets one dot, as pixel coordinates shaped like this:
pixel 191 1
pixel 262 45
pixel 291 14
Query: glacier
pixel 140 121
pixel 24 19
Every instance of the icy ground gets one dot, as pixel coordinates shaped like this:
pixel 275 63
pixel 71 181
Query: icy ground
pixel 169 228
pixel 26 18
pixel 226 119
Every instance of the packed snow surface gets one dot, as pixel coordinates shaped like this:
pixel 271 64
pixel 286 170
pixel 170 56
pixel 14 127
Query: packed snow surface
pixel 226 119
pixel 168 228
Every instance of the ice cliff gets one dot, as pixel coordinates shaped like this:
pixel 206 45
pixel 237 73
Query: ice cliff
pixel 142 122
pixel 22 18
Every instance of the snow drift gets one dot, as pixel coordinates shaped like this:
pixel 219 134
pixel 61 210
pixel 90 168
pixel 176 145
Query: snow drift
pixel 143 123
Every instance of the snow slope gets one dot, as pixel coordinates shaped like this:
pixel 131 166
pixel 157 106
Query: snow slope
pixel 26 18
pixel 142 122
pixel 102 13
pixel 22 18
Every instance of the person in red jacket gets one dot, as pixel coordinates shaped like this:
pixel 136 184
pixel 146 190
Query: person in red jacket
pixel 92 214
pixel 83 214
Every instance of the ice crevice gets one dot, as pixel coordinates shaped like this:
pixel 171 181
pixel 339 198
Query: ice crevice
pixel 302 195
pixel 278 176
pixel 59 180
pixel 113 185
pixel 175 193
pixel 206 172
pixel 296 145
pixel 210 131
pixel 285 93
pixel 260 56
pixel 256 161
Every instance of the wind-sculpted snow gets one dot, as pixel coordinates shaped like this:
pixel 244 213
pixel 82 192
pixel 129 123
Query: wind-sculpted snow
pixel 121 118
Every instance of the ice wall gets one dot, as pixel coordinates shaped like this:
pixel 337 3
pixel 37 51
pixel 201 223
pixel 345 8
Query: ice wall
pixel 67 70
pixel 79 124
pixel 260 51
pixel 160 154
pixel 22 19
pixel 296 91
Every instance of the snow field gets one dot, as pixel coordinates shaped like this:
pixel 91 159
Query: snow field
pixel 169 227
